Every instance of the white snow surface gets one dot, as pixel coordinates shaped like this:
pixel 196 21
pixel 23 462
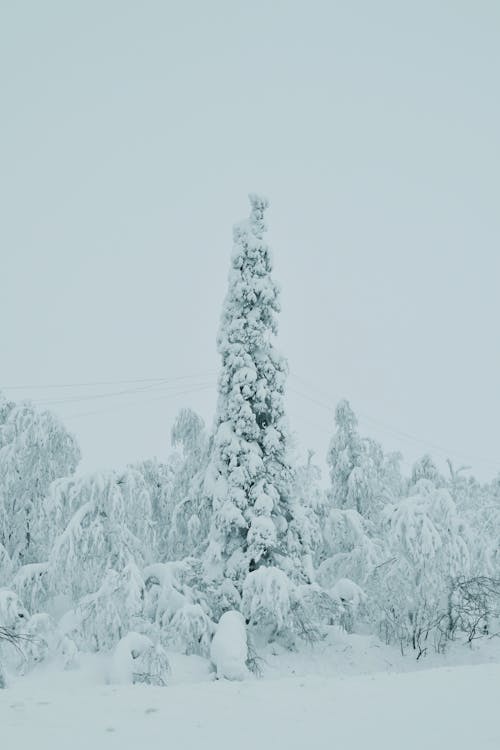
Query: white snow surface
pixel 316 699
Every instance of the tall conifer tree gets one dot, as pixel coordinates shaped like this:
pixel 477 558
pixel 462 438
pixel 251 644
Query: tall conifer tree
pixel 250 475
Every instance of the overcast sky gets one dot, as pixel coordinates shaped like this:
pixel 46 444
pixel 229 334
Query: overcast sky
pixel 131 134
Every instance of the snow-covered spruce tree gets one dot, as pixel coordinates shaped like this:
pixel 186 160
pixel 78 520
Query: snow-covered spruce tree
pixel 249 479
pixel 35 449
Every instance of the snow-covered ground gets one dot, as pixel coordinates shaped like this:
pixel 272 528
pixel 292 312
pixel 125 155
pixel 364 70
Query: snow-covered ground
pixel 300 702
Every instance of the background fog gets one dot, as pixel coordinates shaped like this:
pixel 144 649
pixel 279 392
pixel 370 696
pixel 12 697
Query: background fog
pixel 131 135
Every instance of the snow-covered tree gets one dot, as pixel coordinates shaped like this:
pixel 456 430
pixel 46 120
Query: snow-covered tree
pixel 159 478
pixel 425 468
pixel 362 481
pixel 351 471
pixel 31 583
pixel 310 511
pixel 250 478
pixel 427 549
pixel 102 618
pixel 104 523
pixel 387 481
pixel 180 512
pixel 175 604
pixel 481 511
pixel 35 449
pixel 189 523
pixel 353 549
pixel 6 567
pixel 486 524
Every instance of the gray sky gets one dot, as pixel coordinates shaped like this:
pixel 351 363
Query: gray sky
pixel 131 133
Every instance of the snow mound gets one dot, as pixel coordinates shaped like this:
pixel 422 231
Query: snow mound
pixel 229 650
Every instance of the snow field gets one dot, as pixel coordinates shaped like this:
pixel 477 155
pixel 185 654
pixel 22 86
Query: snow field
pixel 435 709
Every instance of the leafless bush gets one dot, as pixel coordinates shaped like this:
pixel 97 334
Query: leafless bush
pixel 473 607
pixel 312 610
pixel 411 629
pixel 9 636
pixel 254 661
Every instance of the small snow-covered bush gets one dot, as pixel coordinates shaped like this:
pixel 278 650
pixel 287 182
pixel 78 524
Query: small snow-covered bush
pixel 274 605
pixel 229 649
pixel 351 600
pixel 13 619
pixel 13 614
pixel 267 598
pixel 41 638
pixel 473 607
pixel 67 651
pixel 37 640
pixel 169 586
pixel 190 630
pixel 31 584
pixel 137 659
pixel 353 552
pixel 101 619
pixel 313 608
pixel 178 607
pixel 222 596
pixel 9 640
pixel 152 666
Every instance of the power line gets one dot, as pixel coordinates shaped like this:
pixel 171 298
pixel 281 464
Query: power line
pixel 326 401
pixel 313 400
pixel 127 405
pixel 388 428
pixel 321 428
pixel 89 384
pixel 162 385
pixel 94 396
